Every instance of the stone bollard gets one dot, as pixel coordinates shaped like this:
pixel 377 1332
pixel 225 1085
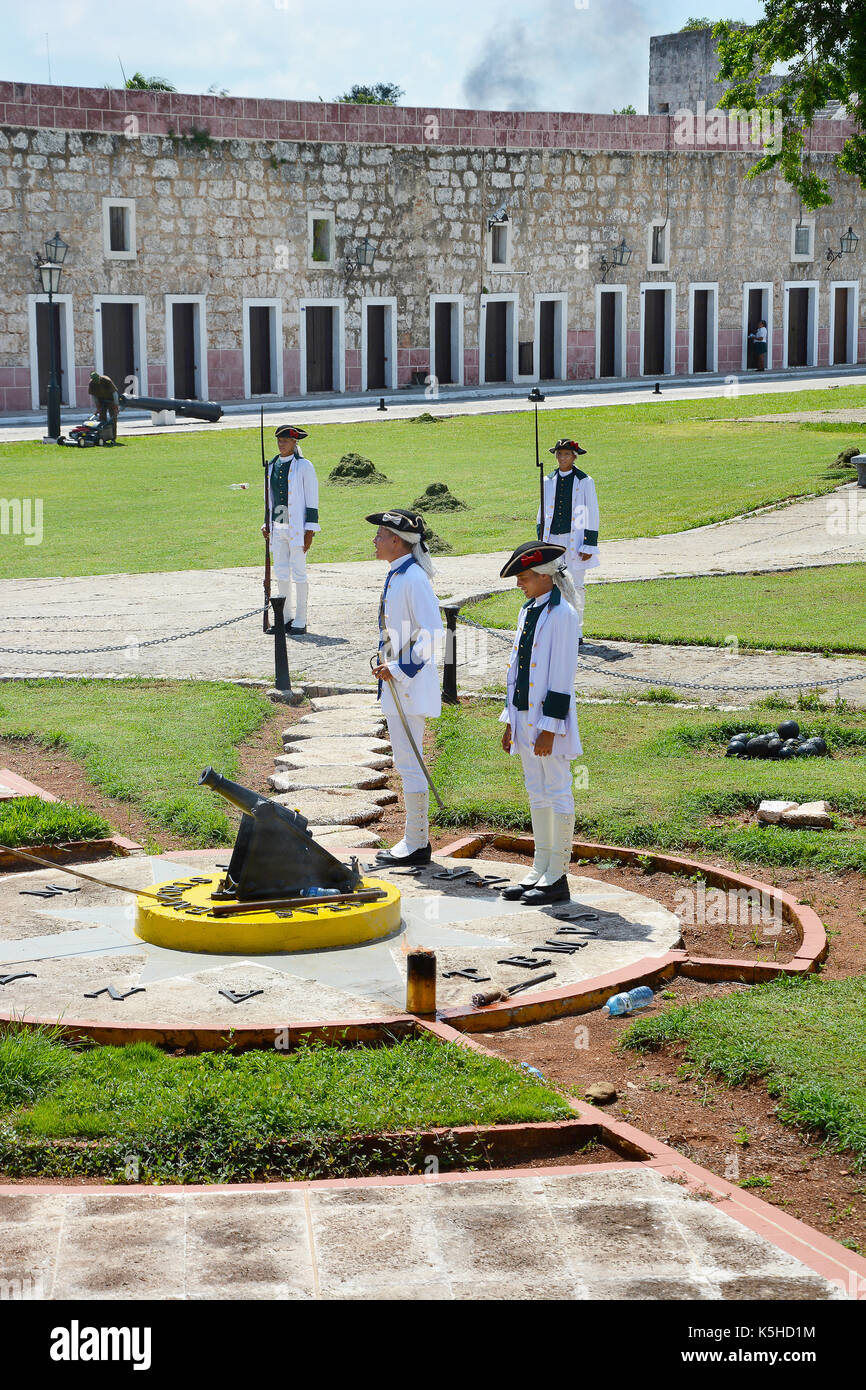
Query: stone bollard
pixel 860 461
pixel 421 983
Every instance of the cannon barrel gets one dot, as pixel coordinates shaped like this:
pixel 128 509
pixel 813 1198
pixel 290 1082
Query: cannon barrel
pixel 241 797
pixel 193 410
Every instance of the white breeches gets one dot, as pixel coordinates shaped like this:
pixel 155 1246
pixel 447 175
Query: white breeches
pixel 404 759
pixel 548 780
pixel 290 568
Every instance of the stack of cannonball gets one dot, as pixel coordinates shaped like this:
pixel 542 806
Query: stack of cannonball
pixel 786 742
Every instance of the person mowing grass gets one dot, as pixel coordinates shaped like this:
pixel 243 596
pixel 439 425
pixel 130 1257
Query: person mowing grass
pixel 540 717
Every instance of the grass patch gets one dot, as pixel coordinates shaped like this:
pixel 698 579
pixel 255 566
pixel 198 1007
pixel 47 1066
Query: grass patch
pixel 222 1117
pixel 819 609
pixel 694 465
pixel 144 742
pixel 656 777
pixel 30 821
pixel 803 1038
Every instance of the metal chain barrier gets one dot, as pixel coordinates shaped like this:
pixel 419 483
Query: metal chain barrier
pixel 124 646
pixel 682 685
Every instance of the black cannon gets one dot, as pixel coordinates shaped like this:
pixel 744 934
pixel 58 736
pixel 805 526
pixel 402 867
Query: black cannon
pixel 275 855
pixel 192 410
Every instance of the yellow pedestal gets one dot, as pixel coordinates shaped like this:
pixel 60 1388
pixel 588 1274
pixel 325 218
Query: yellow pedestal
pixel 264 932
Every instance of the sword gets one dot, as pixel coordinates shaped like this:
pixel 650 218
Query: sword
pixel 374 662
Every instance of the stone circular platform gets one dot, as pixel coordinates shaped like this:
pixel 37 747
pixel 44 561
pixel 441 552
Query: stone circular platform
pixel 69 950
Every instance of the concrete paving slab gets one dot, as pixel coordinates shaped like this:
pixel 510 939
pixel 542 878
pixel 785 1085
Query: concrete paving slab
pixel 330 727
pixel 313 753
pixel 335 807
pixel 361 779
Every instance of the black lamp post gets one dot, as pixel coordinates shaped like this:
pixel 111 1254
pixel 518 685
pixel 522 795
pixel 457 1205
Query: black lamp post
pixel 50 268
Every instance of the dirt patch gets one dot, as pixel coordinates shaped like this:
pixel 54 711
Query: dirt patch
pixel 732 1131
pixel 55 771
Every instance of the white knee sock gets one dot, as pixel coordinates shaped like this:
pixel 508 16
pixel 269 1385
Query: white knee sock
pixel 417 832
pixel 302 589
pixel 560 858
pixel 542 831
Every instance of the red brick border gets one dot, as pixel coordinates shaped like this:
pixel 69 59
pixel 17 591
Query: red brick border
pixel 70 852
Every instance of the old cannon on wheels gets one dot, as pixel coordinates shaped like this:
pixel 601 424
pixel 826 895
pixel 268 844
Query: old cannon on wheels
pixel 96 430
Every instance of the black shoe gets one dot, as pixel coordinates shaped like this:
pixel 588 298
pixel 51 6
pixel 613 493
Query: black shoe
pixel 295 631
pixel 418 856
pixel 269 631
pixel 287 625
pixel 556 893
pixel 515 890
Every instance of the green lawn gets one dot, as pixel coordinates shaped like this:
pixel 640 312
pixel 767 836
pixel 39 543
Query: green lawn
pixel 30 821
pixel 803 1037
pixel 818 609
pixel 143 741
pixel 656 776
pixel 163 502
pixel 221 1117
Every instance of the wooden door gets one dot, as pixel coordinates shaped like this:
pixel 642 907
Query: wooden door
pixel 654 332
pixel 607 330
pixel 183 344
pixel 754 314
pixel 376 375
pixel 43 341
pixel 495 344
pixel 261 366
pixel 320 348
pixel 443 315
pixel 547 340
pixel 798 327
pixel 700 331
pixel 840 324
pixel 118 343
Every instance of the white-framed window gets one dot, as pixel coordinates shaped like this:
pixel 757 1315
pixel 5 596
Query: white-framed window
pixel 446 339
pixel 802 240
pixel 703 327
pixel 658 304
pixel 551 337
pixel 378 344
pixel 321 240
pixel 118 229
pixel 658 246
pixel 499 246
pixel 263 347
pixel 186 346
pixel 497 342
pixel 610 330
pixel 322 344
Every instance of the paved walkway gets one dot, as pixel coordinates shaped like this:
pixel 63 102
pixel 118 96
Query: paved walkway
pixel 626 1233
pixel 401 405
pixel 124 612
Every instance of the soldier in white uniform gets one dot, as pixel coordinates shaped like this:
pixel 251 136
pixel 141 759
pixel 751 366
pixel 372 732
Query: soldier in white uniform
pixel 409 622
pixel 571 516
pixel 293 519
pixel 540 717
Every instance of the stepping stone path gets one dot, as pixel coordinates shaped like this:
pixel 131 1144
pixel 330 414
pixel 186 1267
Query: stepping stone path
pixel 334 770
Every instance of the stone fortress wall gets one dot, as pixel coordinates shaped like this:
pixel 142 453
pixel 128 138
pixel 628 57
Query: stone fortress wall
pixel 223 189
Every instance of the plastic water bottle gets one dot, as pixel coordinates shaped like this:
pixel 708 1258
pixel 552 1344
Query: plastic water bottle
pixel 626 1003
pixel 533 1071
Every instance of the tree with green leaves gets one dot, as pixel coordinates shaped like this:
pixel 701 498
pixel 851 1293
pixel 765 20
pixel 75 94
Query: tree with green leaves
pixel 379 94
pixel 822 44
pixel 624 110
pixel 139 83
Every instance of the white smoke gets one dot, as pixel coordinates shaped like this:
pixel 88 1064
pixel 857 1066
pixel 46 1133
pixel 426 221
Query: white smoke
pixel 572 55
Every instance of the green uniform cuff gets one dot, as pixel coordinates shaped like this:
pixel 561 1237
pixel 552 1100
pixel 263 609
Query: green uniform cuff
pixel 556 705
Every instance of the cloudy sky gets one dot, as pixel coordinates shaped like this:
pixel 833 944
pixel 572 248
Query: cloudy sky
pixel 577 55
